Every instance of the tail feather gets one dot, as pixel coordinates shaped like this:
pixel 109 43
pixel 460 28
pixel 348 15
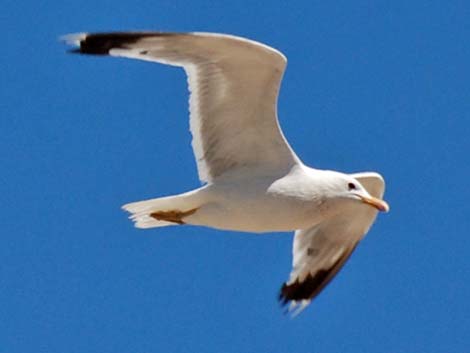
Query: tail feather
pixel 146 221
pixel 141 210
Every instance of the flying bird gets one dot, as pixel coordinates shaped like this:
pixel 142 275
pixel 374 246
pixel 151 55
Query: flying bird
pixel 252 179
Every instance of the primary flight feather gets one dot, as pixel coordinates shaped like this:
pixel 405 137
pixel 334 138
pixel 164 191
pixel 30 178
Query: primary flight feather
pixel 254 182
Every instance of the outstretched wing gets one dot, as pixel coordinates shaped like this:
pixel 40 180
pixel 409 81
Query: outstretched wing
pixel 321 251
pixel 234 85
pixel 318 254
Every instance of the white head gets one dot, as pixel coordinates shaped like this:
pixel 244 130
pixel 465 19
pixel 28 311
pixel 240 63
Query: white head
pixel 343 187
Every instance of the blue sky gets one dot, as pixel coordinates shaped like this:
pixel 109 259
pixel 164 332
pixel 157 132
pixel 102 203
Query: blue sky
pixel 370 85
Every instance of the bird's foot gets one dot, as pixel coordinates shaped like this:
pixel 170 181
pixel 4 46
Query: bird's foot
pixel 174 216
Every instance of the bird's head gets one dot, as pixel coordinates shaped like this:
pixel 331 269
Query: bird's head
pixel 344 187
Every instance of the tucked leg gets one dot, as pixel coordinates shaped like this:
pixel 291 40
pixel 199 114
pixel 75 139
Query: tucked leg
pixel 174 216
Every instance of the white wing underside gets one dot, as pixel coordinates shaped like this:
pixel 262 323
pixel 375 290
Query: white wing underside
pixel 321 251
pixel 234 85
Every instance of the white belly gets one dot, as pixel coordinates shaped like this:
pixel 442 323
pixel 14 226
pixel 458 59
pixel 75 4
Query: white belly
pixel 255 207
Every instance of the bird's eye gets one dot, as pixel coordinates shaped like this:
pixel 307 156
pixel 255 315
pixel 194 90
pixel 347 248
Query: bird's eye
pixel 351 186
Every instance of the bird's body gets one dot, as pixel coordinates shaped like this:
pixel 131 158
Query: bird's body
pixel 259 204
pixel 254 180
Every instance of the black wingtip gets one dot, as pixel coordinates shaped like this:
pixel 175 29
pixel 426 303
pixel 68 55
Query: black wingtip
pixel 282 297
pixel 74 51
pixel 312 284
pixel 305 290
pixel 102 43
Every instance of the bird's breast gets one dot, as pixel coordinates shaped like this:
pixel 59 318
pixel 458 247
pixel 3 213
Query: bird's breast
pixel 259 207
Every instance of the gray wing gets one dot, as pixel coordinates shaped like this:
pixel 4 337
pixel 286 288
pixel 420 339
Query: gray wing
pixel 321 251
pixel 234 84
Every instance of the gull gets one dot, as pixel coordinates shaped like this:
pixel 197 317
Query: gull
pixel 252 179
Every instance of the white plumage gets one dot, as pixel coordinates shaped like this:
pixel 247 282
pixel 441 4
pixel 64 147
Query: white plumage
pixel 254 181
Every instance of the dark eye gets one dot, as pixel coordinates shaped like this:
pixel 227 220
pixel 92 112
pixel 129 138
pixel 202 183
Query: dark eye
pixel 351 186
